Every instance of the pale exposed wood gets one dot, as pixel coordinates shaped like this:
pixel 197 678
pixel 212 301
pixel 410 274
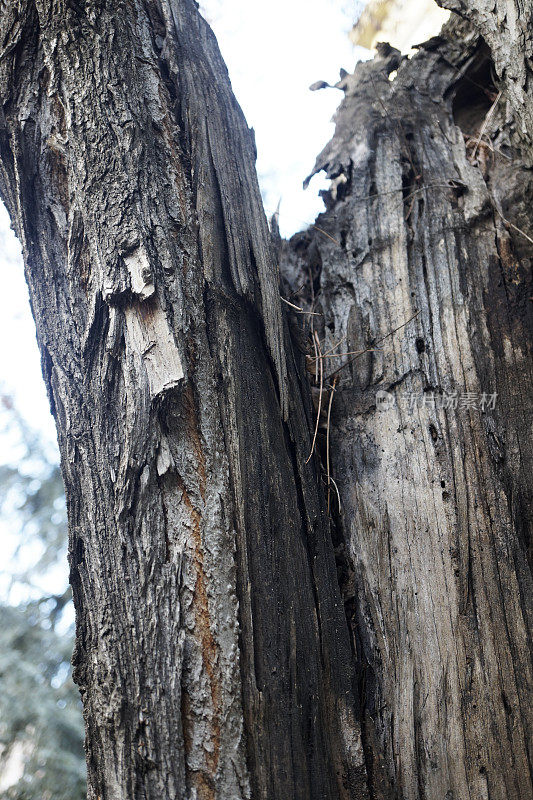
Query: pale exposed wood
pixel 436 502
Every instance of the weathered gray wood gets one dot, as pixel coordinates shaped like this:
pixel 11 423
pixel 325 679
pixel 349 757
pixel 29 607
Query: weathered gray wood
pixel 436 511
pixel 212 651
pixel 128 171
pixel 506 27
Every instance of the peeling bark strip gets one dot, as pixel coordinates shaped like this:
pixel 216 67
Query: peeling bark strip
pixel 128 171
pixel 437 505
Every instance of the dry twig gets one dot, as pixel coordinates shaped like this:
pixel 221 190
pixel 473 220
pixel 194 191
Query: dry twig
pixel 321 368
pixel 325 233
pixel 328 472
pixel 299 309
pixel 371 349
pixel 486 121
pixel 510 224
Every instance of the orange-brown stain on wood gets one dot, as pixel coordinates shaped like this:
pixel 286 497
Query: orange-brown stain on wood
pixel 209 651
pixel 203 781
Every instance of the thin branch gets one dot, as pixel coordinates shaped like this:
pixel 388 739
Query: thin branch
pixel 512 225
pixel 321 368
pixel 327 433
pixel 371 349
pixel 298 290
pixel 301 310
pixel 335 345
pixel 351 353
pixel 391 333
pixel 325 233
pixel 338 494
pixel 315 341
pixel 297 308
pixel 486 121
pixel 470 139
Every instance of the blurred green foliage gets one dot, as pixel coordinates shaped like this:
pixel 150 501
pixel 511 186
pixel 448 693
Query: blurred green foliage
pixel 41 727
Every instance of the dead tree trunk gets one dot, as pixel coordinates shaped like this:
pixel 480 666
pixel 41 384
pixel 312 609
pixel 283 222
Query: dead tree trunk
pixel 128 171
pixel 213 649
pixel 423 261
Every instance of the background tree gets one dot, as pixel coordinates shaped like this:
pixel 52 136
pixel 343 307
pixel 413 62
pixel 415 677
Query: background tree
pixel 41 728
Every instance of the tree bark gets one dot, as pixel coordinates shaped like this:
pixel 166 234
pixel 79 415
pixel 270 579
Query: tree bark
pixel 505 26
pixel 229 641
pixel 212 650
pixel 423 261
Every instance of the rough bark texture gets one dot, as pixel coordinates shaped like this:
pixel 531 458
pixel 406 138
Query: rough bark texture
pixel 213 653
pixel 429 214
pixel 506 27
pixel 128 171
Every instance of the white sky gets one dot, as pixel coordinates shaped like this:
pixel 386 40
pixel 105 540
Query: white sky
pixel 274 52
